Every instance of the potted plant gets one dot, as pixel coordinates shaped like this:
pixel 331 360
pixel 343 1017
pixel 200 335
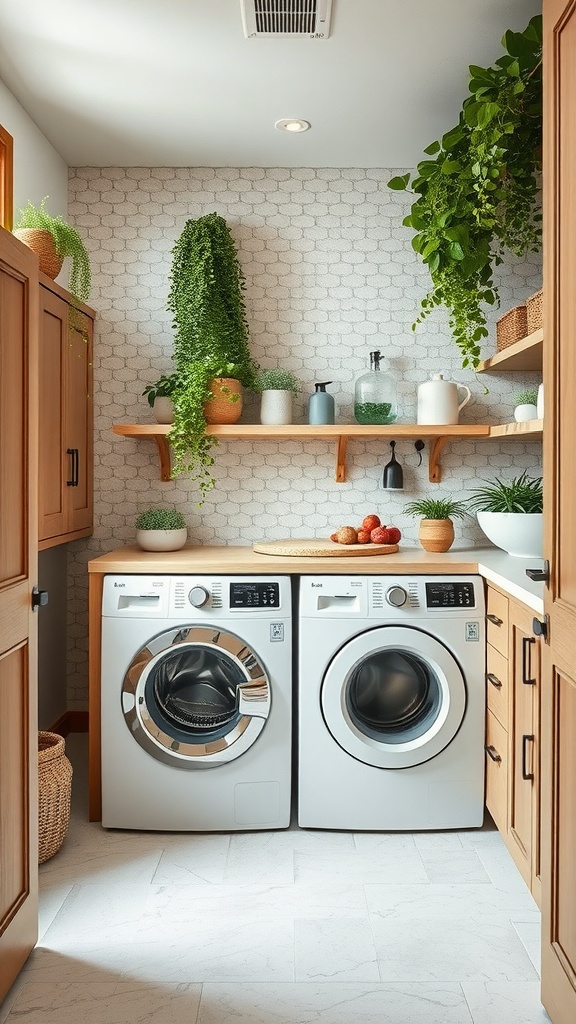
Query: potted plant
pixel 436 526
pixel 509 512
pixel 161 529
pixel 276 387
pixel 211 340
pixel 52 239
pixel 525 404
pixel 479 188
pixel 159 397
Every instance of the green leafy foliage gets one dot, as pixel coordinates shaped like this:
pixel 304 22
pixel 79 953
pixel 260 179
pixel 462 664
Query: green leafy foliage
pixel 478 193
pixel 67 243
pixel 521 494
pixel 160 519
pixel 276 380
pixel 211 336
pixel 436 508
pixel 528 397
pixel 164 387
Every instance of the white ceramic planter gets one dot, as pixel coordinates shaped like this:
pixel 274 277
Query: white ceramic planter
pixel 163 410
pixel 161 540
pixel 522 413
pixel 276 407
pixel 518 533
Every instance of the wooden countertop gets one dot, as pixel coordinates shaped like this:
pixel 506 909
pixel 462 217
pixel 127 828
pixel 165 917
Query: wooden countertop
pixel 506 571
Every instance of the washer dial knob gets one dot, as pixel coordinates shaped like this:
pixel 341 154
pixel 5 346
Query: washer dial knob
pixel 396 596
pixel 198 597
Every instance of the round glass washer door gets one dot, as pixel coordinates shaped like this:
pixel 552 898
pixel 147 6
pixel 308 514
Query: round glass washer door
pixel 196 697
pixel 393 697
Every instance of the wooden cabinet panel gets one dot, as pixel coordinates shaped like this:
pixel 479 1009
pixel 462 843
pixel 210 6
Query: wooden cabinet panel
pixel 66 419
pixel 497 684
pixel 497 771
pixel 497 620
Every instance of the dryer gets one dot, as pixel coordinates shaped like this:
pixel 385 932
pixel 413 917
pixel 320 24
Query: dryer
pixel 391 697
pixel 196 702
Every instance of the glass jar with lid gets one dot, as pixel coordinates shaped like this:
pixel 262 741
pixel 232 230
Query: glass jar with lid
pixel 375 398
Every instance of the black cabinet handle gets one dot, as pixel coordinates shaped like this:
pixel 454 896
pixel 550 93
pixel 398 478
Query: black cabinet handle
pixel 491 678
pixel 526 775
pixel 76 466
pixel 539 575
pixel 492 752
pixel 526 641
pixel 494 620
pixel 71 453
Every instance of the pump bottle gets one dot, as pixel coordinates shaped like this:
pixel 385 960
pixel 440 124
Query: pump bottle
pixel 321 405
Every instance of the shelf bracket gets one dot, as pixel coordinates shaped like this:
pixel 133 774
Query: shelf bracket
pixel 341 459
pixel 434 468
pixel 165 461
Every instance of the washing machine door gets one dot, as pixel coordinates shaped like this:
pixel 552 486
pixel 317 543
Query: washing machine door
pixel 196 697
pixel 393 697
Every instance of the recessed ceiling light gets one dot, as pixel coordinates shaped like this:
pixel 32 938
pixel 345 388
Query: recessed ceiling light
pixel 292 124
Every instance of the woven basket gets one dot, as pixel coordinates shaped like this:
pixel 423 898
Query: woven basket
pixel 54 789
pixel 220 409
pixel 511 327
pixel 42 243
pixel 534 311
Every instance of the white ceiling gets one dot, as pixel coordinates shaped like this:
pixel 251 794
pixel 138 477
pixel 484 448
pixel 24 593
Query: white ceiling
pixel 176 83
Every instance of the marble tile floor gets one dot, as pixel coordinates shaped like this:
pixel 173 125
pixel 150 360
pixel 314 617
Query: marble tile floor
pixel 292 927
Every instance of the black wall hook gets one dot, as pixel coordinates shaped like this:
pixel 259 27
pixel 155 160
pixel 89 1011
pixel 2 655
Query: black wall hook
pixel 419 445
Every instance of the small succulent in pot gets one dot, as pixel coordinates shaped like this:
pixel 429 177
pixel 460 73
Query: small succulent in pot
pixel 277 379
pixel 525 403
pixel 436 526
pixel 509 513
pixel 161 529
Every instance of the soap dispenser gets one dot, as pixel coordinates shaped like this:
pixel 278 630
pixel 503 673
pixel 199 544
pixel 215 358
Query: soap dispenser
pixel 321 405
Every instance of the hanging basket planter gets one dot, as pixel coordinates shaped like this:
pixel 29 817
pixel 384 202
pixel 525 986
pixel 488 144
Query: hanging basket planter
pixel 42 243
pixel 54 792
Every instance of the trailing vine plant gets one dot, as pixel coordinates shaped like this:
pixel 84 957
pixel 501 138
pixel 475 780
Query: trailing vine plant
pixel 211 336
pixel 67 242
pixel 479 192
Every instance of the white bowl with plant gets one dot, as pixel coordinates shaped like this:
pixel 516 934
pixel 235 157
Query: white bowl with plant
pixel 161 529
pixel 509 513
pixel 436 526
pixel 159 397
pixel 525 405
pixel 277 386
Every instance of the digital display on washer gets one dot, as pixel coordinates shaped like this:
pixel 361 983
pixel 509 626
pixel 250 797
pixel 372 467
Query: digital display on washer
pixel 254 595
pixel 450 595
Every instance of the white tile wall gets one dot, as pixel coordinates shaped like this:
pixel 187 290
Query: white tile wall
pixel 330 275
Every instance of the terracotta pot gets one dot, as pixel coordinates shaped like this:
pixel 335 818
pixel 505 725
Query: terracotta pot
pixel 42 243
pixel 436 534
pixel 221 409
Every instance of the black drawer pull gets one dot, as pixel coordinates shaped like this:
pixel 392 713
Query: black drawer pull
pixel 494 620
pixel 526 641
pixel 491 678
pixel 72 453
pixel 526 775
pixel 492 752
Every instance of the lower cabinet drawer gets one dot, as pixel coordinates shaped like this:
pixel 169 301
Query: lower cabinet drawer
pixel 497 771
pixel 497 684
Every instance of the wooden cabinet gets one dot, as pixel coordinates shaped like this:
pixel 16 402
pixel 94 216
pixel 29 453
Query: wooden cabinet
pixel 66 418
pixel 512 731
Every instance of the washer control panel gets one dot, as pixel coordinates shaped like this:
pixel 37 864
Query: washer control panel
pixel 254 595
pixel 450 595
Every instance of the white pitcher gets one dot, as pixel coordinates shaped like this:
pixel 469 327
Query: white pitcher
pixel 438 400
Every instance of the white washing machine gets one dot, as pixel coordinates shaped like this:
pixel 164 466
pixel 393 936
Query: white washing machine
pixel 196 702
pixel 391 702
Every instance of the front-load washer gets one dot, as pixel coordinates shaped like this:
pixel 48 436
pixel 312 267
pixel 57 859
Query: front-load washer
pixel 196 702
pixel 391 696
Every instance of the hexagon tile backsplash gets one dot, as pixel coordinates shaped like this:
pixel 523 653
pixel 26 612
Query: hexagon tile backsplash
pixel 330 275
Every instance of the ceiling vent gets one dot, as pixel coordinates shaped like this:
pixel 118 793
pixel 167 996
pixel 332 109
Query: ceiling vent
pixel 308 19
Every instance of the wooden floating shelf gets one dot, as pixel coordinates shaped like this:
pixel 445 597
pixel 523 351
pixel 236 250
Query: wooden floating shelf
pixel 438 436
pixel 525 354
pixel 529 429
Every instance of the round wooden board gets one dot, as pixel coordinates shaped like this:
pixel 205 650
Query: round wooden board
pixel 318 548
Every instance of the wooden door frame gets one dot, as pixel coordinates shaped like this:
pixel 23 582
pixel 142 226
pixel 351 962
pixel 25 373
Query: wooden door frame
pixel 6 179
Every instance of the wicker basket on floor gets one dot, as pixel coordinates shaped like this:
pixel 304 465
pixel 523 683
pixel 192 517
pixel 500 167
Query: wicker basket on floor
pixel 511 327
pixel 54 790
pixel 534 311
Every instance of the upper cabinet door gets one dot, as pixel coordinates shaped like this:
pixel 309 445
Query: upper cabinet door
pixel 18 638
pixel 559 655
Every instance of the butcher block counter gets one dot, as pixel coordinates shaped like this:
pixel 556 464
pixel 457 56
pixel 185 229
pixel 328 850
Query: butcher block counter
pixel 505 571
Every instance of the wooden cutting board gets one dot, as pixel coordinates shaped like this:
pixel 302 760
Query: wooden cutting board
pixel 319 548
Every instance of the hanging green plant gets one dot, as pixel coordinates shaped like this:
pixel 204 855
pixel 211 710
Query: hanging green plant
pixel 67 243
pixel 211 336
pixel 479 192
